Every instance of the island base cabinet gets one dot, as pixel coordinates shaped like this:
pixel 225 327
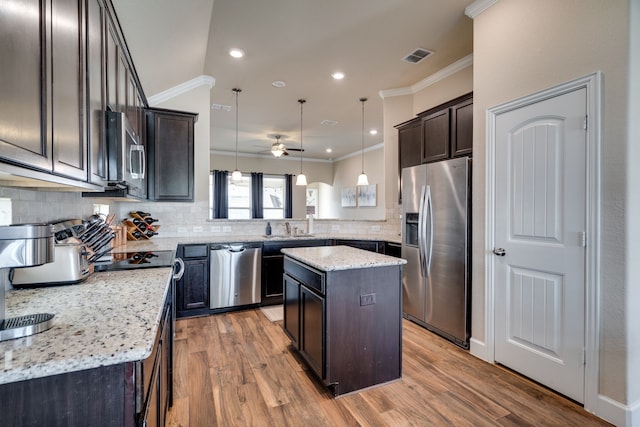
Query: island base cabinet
pixel 347 324
pixel 312 337
pixel 292 309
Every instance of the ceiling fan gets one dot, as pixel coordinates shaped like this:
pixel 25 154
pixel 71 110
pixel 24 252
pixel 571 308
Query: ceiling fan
pixel 278 149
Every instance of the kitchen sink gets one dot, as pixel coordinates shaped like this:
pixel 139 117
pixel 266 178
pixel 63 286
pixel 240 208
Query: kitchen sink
pixel 284 236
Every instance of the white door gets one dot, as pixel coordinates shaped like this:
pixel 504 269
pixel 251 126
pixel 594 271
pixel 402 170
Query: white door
pixel 540 223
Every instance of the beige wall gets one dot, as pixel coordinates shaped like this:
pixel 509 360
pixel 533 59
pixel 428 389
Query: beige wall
pixel 521 47
pixel 453 86
pixel 345 174
pixel 633 206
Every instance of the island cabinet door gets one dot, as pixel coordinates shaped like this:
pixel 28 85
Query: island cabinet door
pixel 291 309
pixel 312 324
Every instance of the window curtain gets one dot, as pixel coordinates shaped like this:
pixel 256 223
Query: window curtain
pixel 220 196
pixel 256 195
pixel 288 197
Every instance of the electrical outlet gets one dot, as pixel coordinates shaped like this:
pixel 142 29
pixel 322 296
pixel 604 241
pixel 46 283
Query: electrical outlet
pixel 226 229
pixel 197 229
pixel 375 228
pixel 215 228
pixel 181 230
pixel 368 299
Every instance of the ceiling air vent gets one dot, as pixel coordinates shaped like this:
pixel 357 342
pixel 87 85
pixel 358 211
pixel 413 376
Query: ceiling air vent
pixel 417 55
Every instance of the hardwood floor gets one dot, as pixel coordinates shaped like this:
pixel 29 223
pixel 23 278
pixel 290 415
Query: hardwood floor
pixel 237 369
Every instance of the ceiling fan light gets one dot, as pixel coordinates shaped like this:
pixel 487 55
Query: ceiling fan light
pixel 301 179
pixel 277 152
pixel 362 179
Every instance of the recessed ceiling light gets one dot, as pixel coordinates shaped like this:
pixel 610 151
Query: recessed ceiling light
pixel 373 132
pixel 278 83
pixel 236 53
pixel 329 150
pixel 328 122
pixel 338 75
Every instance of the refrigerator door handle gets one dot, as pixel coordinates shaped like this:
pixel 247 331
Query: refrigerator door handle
pixel 429 233
pixel 421 232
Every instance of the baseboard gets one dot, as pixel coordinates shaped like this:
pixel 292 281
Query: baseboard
pixel 617 413
pixel 478 349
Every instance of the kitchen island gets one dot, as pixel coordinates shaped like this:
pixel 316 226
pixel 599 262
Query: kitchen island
pixel 100 362
pixel 343 313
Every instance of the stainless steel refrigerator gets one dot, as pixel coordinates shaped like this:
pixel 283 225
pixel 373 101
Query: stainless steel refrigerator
pixel 435 243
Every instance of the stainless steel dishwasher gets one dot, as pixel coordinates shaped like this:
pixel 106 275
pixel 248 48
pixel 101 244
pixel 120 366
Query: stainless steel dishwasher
pixel 236 274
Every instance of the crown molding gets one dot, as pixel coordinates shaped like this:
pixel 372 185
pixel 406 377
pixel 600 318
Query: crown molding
pixel 181 88
pixel 477 7
pixel 450 69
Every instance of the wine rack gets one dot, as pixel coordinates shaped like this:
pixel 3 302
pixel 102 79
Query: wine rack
pixel 140 226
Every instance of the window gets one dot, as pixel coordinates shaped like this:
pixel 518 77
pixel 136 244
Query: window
pixel 239 197
pixel 270 199
pixel 273 196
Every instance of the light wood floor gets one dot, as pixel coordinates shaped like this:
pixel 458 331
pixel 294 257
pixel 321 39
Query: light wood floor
pixel 237 369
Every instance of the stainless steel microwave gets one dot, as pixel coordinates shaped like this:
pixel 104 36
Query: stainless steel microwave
pixel 126 156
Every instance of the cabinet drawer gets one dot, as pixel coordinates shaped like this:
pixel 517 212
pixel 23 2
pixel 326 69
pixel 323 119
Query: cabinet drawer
pixel 195 251
pixel 311 278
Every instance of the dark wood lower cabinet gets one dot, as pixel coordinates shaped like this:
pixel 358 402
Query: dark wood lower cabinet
pixel 192 291
pixel 345 323
pixel 127 394
pixel 272 266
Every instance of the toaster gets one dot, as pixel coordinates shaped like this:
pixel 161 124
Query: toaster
pixel 69 266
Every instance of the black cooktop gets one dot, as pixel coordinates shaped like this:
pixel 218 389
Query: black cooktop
pixel 134 260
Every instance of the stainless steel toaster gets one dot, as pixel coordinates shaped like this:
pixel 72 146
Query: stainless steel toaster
pixel 68 267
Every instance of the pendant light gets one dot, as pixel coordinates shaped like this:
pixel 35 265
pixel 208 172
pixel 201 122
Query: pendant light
pixel 362 179
pixel 301 179
pixel 236 175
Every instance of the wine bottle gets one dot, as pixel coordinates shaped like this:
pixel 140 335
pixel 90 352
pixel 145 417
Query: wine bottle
pixel 150 233
pixel 150 220
pixel 136 233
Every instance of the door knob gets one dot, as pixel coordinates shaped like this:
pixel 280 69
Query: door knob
pixel 499 251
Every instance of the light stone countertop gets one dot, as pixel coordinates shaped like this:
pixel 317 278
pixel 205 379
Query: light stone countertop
pixel 331 258
pixel 110 318
pixel 171 243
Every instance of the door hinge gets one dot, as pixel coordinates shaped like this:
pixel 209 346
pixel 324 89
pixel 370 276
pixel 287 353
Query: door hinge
pixel 585 122
pixel 584 356
pixel 582 236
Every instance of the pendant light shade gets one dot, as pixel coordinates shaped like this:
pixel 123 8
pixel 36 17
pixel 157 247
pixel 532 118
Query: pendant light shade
pixel 236 175
pixel 301 179
pixel 362 179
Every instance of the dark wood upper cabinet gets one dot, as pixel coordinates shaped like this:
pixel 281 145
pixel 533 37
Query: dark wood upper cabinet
pixel 22 85
pixel 96 91
pixel 67 89
pixel 170 155
pixel 435 136
pixel 410 143
pixel 462 128
pixel 112 59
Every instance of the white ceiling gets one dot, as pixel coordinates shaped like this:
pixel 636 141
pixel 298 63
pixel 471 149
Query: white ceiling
pixel 300 42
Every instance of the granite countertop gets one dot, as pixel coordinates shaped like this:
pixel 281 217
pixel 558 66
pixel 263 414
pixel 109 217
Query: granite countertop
pixel 170 243
pixel 110 318
pixel 331 258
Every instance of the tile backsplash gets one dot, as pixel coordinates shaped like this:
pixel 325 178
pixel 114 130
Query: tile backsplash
pixel 178 219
